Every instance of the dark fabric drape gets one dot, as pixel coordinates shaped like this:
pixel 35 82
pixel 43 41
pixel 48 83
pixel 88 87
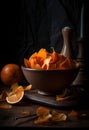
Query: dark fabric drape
pixel 33 24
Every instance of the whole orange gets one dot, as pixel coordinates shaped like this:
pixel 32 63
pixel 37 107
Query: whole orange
pixel 11 73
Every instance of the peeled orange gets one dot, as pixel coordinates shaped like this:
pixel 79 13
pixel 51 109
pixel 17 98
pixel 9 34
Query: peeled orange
pixel 11 73
pixel 15 96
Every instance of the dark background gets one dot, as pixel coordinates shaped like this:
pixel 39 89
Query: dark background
pixel 29 25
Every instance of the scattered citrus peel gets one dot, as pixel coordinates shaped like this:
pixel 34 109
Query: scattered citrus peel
pixel 45 115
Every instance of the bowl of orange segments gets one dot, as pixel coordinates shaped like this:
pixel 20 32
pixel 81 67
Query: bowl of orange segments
pixel 49 73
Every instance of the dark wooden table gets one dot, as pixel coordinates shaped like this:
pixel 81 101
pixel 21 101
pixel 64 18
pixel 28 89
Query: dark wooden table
pixel 8 116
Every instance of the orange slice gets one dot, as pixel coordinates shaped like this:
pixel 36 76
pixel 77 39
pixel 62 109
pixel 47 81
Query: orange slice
pixel 15 96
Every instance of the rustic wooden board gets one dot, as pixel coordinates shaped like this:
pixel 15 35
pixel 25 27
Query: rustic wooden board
pixel 50 100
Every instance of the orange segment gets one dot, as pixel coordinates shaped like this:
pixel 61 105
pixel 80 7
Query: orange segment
pixel 26 63
pixel 46 63
pixel 28 87
pixel 68 64
pixel 15 96
pixel 42 53
pixel 34 64
pixel 54 56
pixel 41 56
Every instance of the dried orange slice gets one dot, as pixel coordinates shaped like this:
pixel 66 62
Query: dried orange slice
pixel 15 96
